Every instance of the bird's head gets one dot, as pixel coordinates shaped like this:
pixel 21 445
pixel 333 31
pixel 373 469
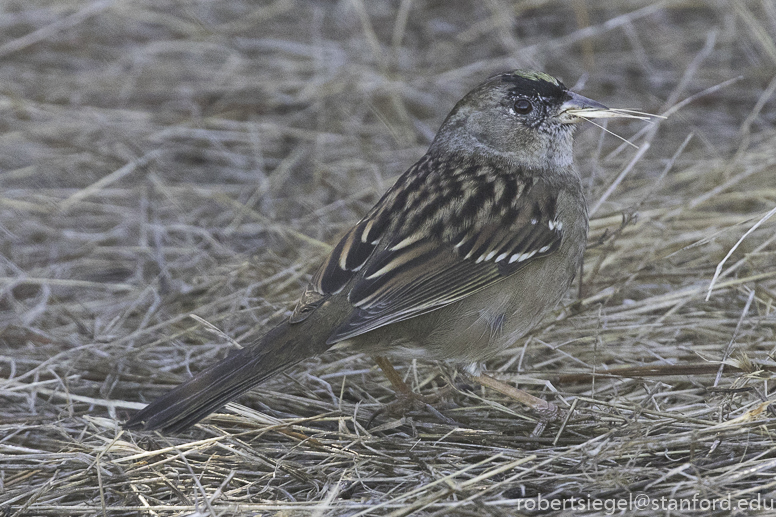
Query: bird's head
pixel 525 117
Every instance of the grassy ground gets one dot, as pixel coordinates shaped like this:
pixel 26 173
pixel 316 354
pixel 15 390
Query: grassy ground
pixel 166 158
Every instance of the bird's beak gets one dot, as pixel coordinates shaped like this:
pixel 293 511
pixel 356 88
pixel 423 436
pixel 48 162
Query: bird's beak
pixel 578 108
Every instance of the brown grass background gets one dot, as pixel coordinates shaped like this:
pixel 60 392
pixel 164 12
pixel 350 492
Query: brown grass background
pixel 166 158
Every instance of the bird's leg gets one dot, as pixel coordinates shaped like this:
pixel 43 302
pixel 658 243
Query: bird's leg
pixel 406 399
pixel 547 411
pixel 399 386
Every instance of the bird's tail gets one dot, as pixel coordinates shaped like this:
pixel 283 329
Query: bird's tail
pixel 281 347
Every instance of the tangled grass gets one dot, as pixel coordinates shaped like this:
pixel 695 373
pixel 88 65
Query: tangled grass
pixel 169 158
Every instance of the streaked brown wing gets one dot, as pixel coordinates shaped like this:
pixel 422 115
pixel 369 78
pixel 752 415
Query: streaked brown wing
pixel 409 257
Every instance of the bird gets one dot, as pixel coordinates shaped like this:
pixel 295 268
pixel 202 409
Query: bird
pixel 470 248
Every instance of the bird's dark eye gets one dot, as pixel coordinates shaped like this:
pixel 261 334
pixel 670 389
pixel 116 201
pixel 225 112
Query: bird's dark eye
pixel 523 107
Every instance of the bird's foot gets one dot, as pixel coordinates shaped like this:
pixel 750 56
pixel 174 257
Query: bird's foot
pixel 407 402
pixel 545 411
pixel 406 399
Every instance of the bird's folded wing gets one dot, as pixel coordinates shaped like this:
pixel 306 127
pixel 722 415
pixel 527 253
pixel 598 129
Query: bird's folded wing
pixel 414 264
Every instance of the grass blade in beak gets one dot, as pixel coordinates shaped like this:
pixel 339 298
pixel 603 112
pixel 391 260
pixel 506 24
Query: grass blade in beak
pixel 588 113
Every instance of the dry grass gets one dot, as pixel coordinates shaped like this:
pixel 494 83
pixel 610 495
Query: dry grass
pixel 164 158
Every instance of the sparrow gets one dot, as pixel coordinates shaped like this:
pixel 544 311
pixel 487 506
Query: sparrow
pixel 471 247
